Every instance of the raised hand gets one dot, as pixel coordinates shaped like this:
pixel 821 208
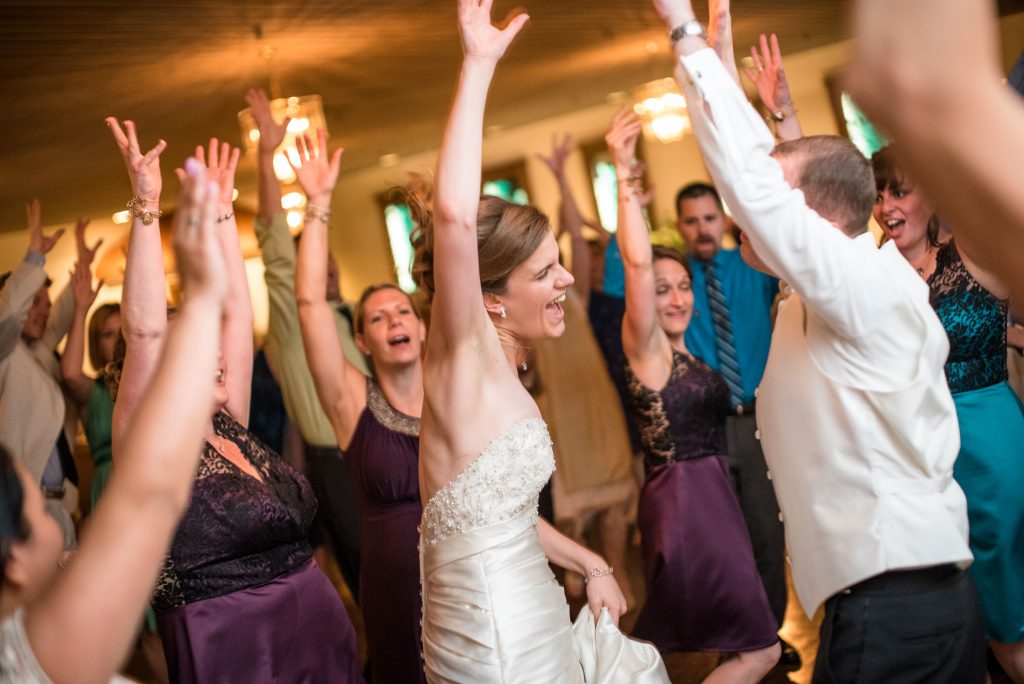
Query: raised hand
pixel 622 138
pixel 37 240
pixel 143 169
pixel 315 168
pixel 769 77
pixel 81 285
pixel 720 34
pixel 197 249
pixel 271 132
pixel 220 164
pixel 560 151
pixel 86 254
pixel 674 12
pixel 480 39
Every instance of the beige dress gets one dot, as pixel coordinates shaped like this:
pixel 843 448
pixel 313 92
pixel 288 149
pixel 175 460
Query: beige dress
pixel 579 403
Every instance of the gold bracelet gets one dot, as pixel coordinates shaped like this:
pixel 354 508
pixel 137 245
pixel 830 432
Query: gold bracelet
pixel 136 205
pixel 598 572
pixel 318 214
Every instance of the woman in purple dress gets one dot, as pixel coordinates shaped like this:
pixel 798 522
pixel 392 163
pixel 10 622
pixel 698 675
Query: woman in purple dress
pixel 703 589
pixel 376 422
pixel 239 598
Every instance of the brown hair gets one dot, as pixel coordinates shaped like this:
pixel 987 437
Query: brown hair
pixel 506 235
pixel 888 176
pixel 99 318
pixel 659 252
pixel 358 316
pixel 697 190
pixel 835 178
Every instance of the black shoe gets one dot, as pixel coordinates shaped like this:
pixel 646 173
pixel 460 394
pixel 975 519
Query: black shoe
pixel 790 660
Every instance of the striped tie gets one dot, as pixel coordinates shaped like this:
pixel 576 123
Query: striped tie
pixel 729 365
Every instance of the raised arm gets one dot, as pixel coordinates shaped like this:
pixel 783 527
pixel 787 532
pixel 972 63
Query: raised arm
pixel 795 242
pixel 458 312
pixel 236 337
pixel 569 217
pixel 144 297
pixel 20 289
pixel 642 339
pixel 927 72
pixel 340 387
pixel 720 35
pixel 122 548
pixel 271 136
pixel 769 77
pixel 77 383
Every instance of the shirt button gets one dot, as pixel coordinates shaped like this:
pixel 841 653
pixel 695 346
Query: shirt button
pixel 757 435
pixel 780 517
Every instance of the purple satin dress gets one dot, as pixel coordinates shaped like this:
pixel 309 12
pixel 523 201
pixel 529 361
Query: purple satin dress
pixel 239 598
pixel 383 460
pixel 703 589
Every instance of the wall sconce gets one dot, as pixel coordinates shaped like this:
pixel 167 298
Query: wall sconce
pixel 662 107
pixel 307 114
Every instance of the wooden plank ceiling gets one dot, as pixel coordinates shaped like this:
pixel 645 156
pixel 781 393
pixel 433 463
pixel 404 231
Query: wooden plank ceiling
pixel 384 68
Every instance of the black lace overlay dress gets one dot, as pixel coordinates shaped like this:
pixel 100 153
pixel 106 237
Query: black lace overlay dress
pixel 239 598
pixel 703 589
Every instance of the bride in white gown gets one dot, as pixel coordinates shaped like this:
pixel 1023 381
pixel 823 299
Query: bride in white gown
pixel 492 610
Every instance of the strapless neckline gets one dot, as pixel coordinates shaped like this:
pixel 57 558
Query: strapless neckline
pixel 502 436
pixel 501 482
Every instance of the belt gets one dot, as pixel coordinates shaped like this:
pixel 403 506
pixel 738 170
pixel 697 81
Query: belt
pixel 906 580
pixel 57 492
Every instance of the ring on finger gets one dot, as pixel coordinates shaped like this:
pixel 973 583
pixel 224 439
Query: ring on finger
pixel 192 221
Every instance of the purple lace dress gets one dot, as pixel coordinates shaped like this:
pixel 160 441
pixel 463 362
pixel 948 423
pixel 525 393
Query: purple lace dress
pixel 239 598
pixel 383 466
pixel 703 589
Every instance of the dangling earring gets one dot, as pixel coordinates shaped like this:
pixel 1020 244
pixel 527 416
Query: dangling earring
pixel 501 313
pixel 522 366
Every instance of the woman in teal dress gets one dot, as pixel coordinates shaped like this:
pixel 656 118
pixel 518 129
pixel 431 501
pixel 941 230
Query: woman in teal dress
pixel 91 395
pixel 972 306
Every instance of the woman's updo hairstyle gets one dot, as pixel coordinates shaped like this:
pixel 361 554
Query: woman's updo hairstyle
pixel 506 235
pixel 359 315
pixel 13 525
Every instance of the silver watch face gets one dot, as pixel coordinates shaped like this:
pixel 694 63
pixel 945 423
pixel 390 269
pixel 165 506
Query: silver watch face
pixel 689 28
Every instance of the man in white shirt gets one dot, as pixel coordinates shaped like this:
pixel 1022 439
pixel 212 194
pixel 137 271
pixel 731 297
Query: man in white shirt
pixel 35 423
pixel 857 423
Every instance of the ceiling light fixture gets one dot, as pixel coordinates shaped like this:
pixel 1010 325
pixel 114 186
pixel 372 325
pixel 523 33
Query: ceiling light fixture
pixel 662 107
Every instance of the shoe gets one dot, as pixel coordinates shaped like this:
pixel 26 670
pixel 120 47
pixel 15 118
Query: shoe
pixel 790 660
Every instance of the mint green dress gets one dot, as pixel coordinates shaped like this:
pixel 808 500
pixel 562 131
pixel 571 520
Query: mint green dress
pixel 98 419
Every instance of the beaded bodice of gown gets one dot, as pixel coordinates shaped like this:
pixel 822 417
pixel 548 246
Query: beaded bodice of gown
pixel 686 419
pixel 503 481
pixel 975 321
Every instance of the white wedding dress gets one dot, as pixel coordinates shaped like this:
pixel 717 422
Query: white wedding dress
pixel 492 610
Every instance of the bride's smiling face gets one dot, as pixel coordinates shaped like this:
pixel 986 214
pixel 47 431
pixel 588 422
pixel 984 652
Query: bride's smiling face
pixel 534 295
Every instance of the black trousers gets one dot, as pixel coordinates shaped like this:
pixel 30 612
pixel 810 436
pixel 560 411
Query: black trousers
pixel 903 628
pixel 760 508
pixel 337 515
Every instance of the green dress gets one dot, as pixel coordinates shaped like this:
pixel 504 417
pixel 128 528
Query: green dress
pixel 99 416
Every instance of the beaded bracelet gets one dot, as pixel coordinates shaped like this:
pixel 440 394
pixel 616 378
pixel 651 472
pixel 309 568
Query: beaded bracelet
pixel 598 572
pixel 136 205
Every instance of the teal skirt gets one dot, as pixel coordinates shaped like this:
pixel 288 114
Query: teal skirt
pixel 990 470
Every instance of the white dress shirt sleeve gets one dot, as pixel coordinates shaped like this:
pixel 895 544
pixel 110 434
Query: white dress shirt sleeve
pixel 837 279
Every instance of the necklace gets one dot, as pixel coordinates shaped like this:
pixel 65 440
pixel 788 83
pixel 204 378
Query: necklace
pixel 924 261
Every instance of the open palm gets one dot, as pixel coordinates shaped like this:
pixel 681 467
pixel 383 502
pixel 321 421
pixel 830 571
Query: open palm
pixel 480 38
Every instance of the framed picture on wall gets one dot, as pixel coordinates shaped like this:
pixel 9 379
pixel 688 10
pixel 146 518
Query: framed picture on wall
pixel 851 121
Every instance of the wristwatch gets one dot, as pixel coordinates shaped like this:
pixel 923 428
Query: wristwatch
pixel 688 28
